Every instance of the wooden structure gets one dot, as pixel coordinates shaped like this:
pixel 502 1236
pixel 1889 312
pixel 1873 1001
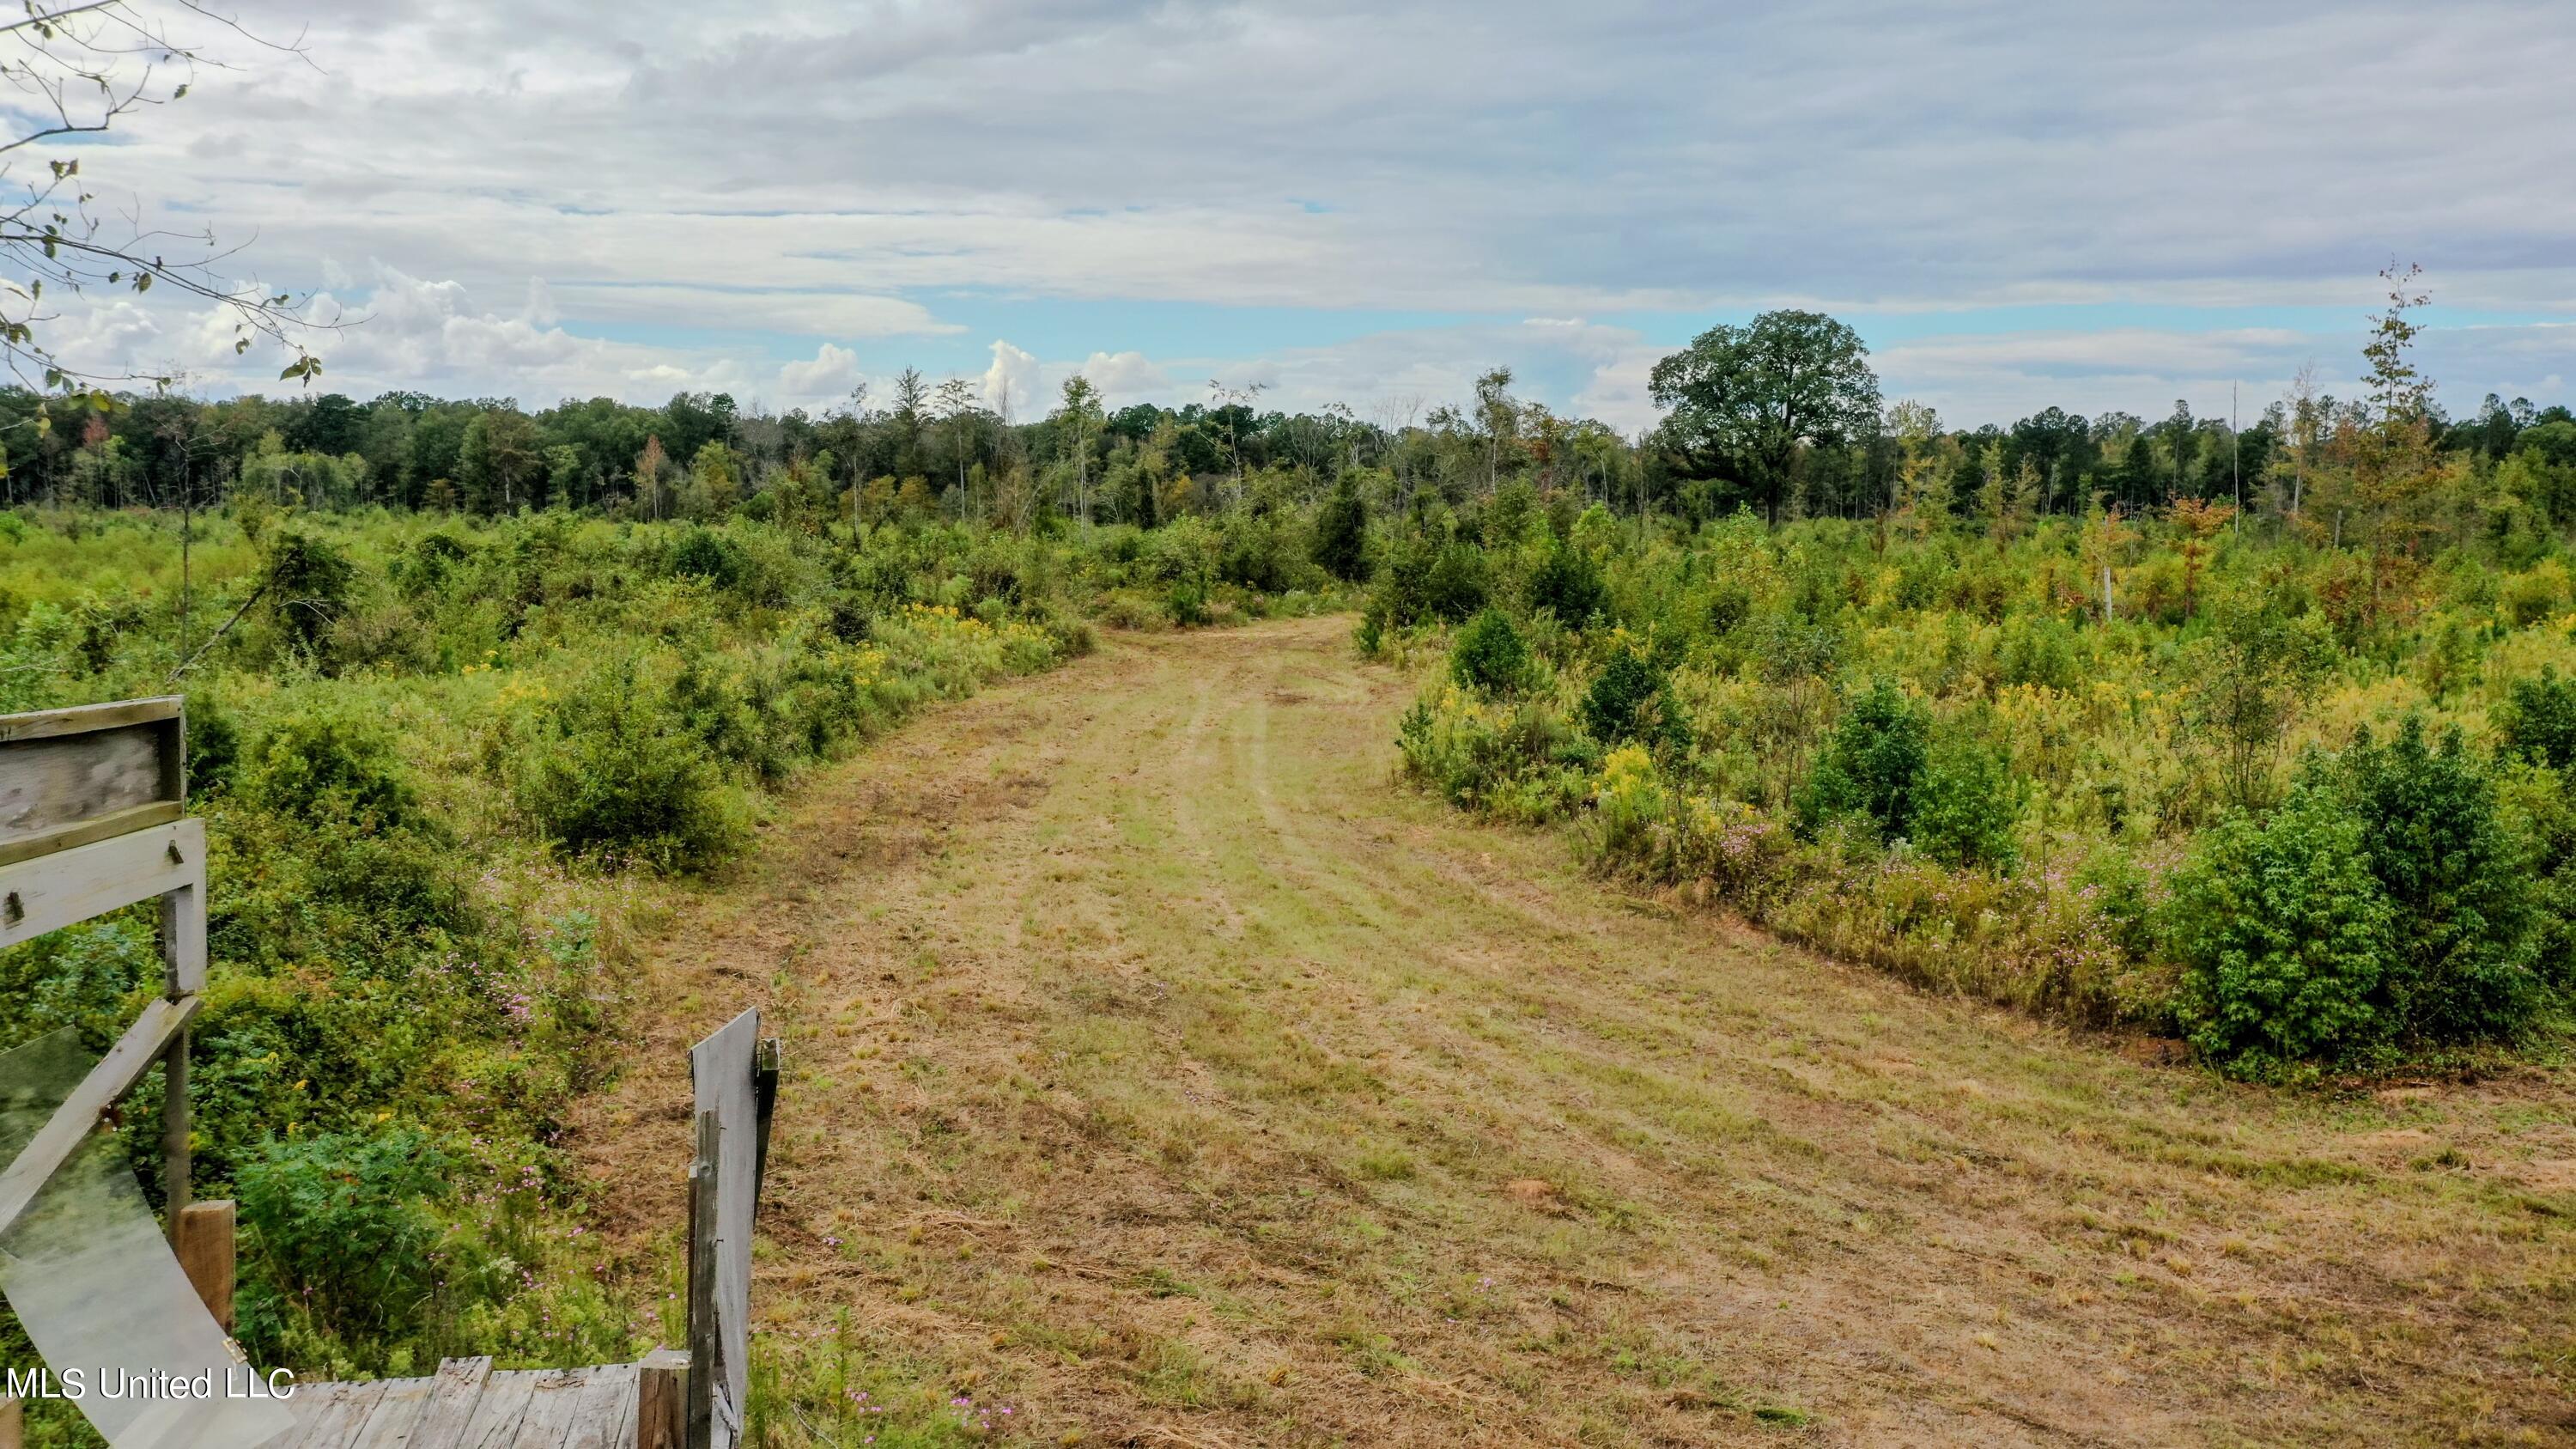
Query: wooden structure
pixel 92 820
pixel 469 1405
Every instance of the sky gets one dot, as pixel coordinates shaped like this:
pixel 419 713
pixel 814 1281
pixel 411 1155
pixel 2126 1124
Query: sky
pixel 2016 205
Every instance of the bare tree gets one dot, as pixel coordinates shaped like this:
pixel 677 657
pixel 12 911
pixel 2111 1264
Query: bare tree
pixel 79 68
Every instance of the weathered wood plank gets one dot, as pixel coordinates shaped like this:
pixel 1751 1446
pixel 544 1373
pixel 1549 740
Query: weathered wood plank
pixel 69 777
pixel 101 827
pixel 453 1397
pixel 397 1414
pixel 551 1408
pixel 309 1405
pixel 115 1073
pixel 706 1354
pixel 71 886
pixel 661 1400
pixel 497 1414
pixel 335 1423
pixel 607 1405
pixel 86 718
pixel 724 1070
pixel 204 1241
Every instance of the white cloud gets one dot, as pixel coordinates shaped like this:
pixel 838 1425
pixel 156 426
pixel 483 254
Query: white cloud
pixel 1126 377
pixel 831 373
pixel 1011 384
pixel 919 171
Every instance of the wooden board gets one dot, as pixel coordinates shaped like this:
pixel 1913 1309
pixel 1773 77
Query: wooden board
pixel 495 1424
pixel 334 1422
pixel 116 1072
pixel 71 886
pixel 452 1397
pixel 605 1416
pixel 723 1070
pixel 396 1416
pixel 69 777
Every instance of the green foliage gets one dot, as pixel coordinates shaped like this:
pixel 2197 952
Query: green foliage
pixel 306 585
pixel 1965 804
pixel 613 768
pixel 1873 765
pixel 1341 531
pixel 2457 880
pixel 2538 719
pixel 2284 937
pixel 1489 654
pixel 1628 702
pixel 1457 583
pixel 2258 661
pixel 346 1227
pixel 1566 584
pixel 329 762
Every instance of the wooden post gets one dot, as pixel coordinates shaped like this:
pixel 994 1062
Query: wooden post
pixel 13 1424
pixel 764 1092
pixel 706 1351
pixel 661 1400
pixel 174 1134
pixel 203 1237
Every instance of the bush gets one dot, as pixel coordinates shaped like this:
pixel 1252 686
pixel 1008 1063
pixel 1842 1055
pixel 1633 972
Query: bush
pixel 308 580
pixel 2538 719
pixel 1872 766
pixel 1567 585
pixel 2457 879
pixel 1341 532
pixel 2284 938
pixel 612 768
pixel 1490 655
pixel 1456 585
pixel 326 763
pixel 1965 805
pixel 1628 701
pixel 345 1226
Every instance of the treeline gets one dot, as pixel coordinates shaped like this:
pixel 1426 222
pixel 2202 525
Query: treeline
pixel 1783 416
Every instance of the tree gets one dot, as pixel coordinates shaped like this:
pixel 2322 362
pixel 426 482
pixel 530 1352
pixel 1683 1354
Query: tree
pixel 1082 418
pixel 1341 530
pixel 2395 465
pixel 1745 400
pixel 79 67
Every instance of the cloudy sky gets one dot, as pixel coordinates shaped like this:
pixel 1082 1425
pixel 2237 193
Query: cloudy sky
pixel 2111 205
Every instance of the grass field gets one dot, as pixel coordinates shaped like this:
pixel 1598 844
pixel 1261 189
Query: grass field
pixel 1163 1072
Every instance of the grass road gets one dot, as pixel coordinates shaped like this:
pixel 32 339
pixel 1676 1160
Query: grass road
pixel 1165 1073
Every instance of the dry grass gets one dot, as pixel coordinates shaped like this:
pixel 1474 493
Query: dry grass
pixel 1162 1072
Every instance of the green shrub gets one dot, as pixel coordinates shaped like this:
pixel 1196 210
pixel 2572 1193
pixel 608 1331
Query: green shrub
pixel 1566 584
pixel 1965 804
pixel 1872 766
pixel 346 1229
pixel 1341 531
pixel 1457 584
pixel 613 769
pixel 1489 655
pixel 307 580
pixel 2284 938
pixel 2538 719
pixel 327 762
pixel 1628 701
pixel 2456 876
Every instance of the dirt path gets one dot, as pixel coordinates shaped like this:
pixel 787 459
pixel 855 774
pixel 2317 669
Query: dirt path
pixel 1161 1070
